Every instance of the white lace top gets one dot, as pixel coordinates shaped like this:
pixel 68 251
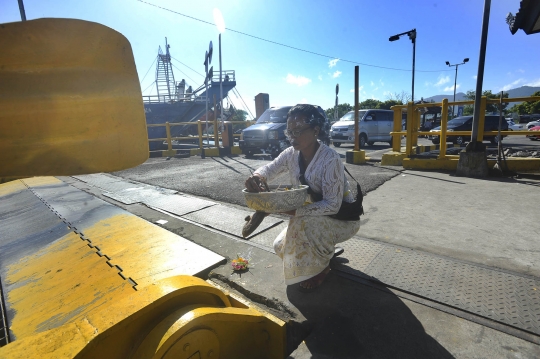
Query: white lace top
pixel 324 175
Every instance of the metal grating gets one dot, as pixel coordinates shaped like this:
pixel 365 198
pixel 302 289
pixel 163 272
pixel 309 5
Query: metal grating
pixel 504 297
pixel 227 219
pixel 4 335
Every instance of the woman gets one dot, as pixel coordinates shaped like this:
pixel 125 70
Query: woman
pixel 307 244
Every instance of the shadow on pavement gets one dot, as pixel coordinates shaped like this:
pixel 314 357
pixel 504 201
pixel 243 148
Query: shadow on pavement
pixel 351 320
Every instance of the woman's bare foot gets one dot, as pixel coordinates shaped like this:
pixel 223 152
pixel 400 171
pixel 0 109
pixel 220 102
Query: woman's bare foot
pixel 314 282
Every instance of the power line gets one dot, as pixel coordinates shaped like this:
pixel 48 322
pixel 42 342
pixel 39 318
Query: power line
pixel 149 70
pixel 198 73
pixel 291 47
pixel 183 73
pixel 148 87
pixel 238 92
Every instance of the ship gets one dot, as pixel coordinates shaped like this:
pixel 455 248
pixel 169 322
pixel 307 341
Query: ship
pixel 177 102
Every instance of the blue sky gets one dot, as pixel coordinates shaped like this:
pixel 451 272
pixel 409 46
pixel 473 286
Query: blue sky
pixel 344 31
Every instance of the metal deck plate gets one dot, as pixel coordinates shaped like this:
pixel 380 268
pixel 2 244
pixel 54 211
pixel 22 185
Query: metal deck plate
pixel 227 219
pixel 268 237
pixel 504 297
pixel 179 205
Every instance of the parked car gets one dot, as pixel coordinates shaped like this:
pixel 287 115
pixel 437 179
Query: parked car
pixel 534 136
pixel 464 123
pixel 267 135
pixel 373 126
pixel 532 124
pixel 515 127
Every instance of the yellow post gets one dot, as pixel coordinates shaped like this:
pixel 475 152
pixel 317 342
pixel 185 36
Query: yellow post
pixel 416 125
pixel 169 142
pixel 199 129
pixel 444 121
pixel 410 124
pixel 216 130
pixel 482 118
pixel 396 139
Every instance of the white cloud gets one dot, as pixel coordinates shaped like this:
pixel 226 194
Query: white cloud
pixel 451 88
pixel 332 63
pixel 534 83
pixel 372 83
pixel 475 77
pixel 443 80
pixel 521 70
pixel 512 85
pixel 381 82
pixel 320 77
pixel 297 80
pixel 375 89
pixel 304 100
pixel 359 89
pixel 336 74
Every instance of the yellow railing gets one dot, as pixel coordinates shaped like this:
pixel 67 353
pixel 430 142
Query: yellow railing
pixel 413 123
pixel 216 136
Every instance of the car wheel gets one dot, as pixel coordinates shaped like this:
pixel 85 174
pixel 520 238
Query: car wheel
pixel 362 140
pixel 370 143
pixel 436 142
pixel 459 140
pixel 337 144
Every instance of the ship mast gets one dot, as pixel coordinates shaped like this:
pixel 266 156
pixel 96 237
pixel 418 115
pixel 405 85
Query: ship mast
pixel 165 83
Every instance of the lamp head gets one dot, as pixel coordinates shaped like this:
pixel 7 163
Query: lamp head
pixel 466 60
pixel 393 38
pixel 447 63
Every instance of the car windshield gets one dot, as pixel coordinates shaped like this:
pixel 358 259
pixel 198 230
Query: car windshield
pixel 458 121
pixel 271 115
pixel 349 116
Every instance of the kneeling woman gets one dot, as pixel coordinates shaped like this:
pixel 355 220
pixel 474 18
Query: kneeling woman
pixel 307 244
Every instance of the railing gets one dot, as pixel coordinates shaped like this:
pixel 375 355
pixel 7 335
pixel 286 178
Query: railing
pixel 413 123
pixel 200 136
pixel 172 99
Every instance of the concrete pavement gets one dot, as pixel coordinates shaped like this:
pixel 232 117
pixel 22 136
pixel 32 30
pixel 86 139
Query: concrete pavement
pixel 489 227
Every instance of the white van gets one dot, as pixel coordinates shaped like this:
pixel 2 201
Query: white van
pixel 374 126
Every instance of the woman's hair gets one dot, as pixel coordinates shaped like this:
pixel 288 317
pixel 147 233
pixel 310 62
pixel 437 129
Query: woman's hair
pixel 312 117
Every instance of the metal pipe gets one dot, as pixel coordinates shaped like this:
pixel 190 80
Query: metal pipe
pixel 480 75
pixel 356 93
pixel 220 89
pixel 21 9
pixel 413 62
pixel 455 84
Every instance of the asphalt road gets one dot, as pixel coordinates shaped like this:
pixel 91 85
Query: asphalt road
pixel 222 178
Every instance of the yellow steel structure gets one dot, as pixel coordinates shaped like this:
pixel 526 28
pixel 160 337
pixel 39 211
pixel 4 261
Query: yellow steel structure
pixel 400 157
pixel 70 103
pixel 70 99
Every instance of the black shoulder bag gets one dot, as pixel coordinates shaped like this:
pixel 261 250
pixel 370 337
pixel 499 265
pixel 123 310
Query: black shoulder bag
pixel 348 211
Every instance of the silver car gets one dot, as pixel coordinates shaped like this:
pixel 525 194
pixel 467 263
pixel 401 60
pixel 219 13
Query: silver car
pixel 374 126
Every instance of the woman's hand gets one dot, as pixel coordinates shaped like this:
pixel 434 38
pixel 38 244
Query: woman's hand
pixel 255 183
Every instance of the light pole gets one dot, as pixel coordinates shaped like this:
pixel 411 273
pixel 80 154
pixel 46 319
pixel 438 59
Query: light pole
pixel 207 61
pixel 412 36
pixel 455 81
pixel 220 24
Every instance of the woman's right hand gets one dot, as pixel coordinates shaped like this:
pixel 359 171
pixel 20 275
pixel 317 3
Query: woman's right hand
pixel 254 183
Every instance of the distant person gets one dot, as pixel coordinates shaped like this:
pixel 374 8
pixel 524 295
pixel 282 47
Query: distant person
pixel 226 78
pixel 308 243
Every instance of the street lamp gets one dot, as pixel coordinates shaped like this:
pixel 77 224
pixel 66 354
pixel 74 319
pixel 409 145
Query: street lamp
pixel 412 36
pixel 220 24
pixel 455 80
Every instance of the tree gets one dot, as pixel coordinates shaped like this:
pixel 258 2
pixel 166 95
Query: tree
pixel 369 103
pixel 239 115
pixel 402 97
pixel 490 107
pixel 343 108
pixel 389 103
